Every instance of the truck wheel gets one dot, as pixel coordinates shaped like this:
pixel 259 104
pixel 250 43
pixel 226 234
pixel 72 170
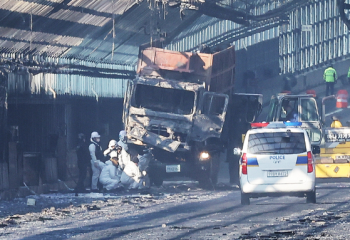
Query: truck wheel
pixel 209 178
pixel 214 169
pixel 311 197
pixel 245 199
pixel 156 180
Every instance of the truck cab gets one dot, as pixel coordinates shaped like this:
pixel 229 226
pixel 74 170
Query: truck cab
pixel 183 106
pixel 300 108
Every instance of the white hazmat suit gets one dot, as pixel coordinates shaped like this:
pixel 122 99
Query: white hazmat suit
pixel 110 175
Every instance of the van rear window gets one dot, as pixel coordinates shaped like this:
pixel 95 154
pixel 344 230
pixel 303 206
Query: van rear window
pixel 276 143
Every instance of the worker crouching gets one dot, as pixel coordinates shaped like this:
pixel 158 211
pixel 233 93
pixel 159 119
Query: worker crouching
pixel 110 174
pixel 135 175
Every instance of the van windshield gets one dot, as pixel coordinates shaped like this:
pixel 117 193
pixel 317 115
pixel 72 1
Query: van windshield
pixel 276 143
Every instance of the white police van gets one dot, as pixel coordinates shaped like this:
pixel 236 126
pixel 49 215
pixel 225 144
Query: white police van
pixel 276 160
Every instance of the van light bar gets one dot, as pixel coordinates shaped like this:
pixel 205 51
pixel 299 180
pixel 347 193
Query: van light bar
pixel 292 124
pixel 275 124
pixel 259 125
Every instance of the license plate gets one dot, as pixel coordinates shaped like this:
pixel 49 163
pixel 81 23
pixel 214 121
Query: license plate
pixel 172 168
pixel 347 157
pixel 277 174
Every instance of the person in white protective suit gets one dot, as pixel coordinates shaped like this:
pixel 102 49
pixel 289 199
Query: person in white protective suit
pixel 112 146
pixel 132 177
pixel 135 174
pixel 124 156
pixel 96 157
pixel 110 174
pixel 143 167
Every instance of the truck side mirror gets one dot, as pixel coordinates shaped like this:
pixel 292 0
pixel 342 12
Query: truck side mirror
pixel 316 149
pixel 237 151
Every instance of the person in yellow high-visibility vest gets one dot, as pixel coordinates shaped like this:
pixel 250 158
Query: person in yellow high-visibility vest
pixel 349 75
pixel 330 76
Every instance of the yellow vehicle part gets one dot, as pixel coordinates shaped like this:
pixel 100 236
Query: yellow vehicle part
pixel 333 163
pixel 332 170
pixel 341 147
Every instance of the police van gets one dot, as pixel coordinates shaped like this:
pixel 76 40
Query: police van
pixel 276 160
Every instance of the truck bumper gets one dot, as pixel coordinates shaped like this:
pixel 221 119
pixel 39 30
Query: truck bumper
pixel 182 169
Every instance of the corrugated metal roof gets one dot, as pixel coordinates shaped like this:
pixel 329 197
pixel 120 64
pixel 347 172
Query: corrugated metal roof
pixel 81 29
pixel 132 30
pixel 56 85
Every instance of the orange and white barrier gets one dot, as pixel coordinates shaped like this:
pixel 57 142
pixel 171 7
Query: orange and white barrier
pixel 342 99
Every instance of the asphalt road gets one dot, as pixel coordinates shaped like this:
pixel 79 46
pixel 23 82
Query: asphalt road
pixel 179 211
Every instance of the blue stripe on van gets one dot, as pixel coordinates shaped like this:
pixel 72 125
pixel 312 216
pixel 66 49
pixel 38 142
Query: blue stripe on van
pixel 301 160
pixel 252 162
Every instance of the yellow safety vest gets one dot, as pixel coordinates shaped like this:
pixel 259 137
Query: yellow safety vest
pixel 330 75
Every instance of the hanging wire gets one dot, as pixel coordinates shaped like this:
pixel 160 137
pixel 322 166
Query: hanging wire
pixel 31 26
pixel 151 6
pixel 113 29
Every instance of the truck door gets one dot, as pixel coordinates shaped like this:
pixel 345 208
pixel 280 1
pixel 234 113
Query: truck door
pixel 126 105
pixel 209 120
pixel 273 109
pixel 310 119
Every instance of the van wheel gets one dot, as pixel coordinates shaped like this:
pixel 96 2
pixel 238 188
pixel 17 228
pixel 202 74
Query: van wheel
pixel 245 199
pixel 311 197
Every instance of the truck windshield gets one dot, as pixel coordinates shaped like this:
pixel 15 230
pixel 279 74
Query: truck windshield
pixel 276 143
pixel 164 99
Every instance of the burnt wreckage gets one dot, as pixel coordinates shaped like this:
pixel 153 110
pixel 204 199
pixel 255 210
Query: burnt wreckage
pixel 182 105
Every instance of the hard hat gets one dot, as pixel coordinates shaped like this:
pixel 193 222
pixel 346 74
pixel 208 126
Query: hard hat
pixel 113 154
pixel 122 134
pixel 334 118
pixel 112 143
pixel 95 135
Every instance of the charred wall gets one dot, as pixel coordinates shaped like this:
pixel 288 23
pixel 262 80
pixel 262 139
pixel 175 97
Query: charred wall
pixel 42 129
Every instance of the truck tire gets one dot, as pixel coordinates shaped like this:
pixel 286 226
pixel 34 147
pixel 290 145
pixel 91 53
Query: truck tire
pixel 233 163
pixel 155 175
pixel 156 180
pixel 245 199
pixel 214 169
pixel 209 178
pixel 311 197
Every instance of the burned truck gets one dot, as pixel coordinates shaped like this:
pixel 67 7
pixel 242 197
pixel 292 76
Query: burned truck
pixel 181 104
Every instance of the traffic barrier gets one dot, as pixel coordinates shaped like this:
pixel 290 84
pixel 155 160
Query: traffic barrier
pixel 342 99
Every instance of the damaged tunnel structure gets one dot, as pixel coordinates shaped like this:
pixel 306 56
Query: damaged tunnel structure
pixel 64 65
pixel 41 116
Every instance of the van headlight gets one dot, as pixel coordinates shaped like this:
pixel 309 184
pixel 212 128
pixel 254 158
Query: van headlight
pixel 203 156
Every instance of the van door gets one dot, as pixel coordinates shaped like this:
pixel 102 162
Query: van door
pixel 209 120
